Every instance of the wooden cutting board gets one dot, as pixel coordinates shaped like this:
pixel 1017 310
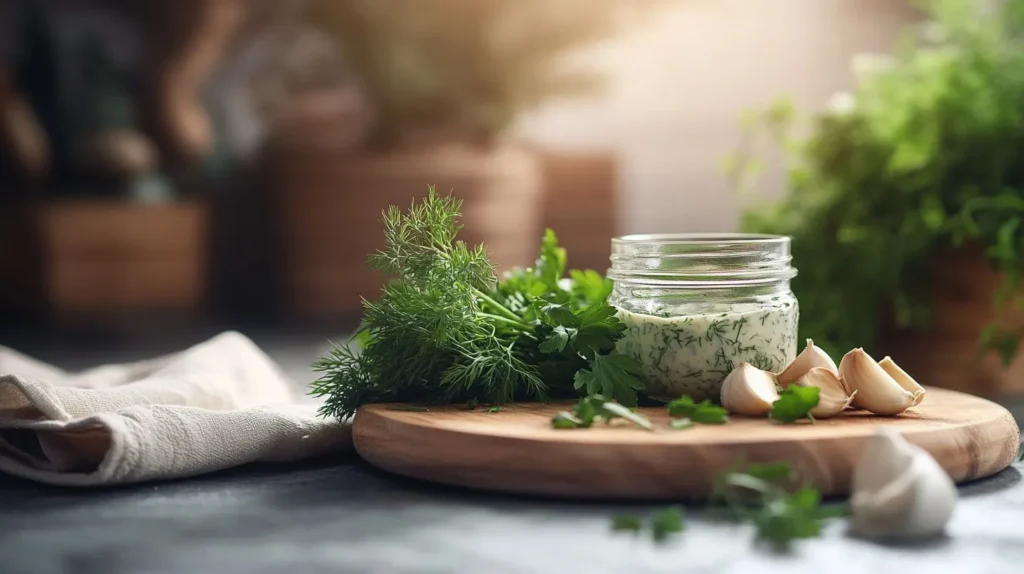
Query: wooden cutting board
pixel 516 450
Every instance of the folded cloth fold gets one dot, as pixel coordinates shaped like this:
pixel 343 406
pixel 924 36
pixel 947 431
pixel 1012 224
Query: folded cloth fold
pixel 219 404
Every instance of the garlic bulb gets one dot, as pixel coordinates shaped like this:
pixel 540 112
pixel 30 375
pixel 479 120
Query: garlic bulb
pixel 901 377
pixel 808 359
pixel 832 397
pixel 899 490
pixel 749 391
pixel 871 387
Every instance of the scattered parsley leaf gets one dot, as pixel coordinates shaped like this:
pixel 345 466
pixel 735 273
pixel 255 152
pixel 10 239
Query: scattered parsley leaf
pixel 663 523
pixel 667 521
pixel 704 412
pixel 794 404
pixel 564 420
pixel 709 414
pixel 759 494
pixel 681 424
pixel 626 523
pixel 788 517
pixel 682 407
pixel 615 410
pixel 596 408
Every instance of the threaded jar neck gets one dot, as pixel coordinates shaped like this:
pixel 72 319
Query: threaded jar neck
pixel 701 261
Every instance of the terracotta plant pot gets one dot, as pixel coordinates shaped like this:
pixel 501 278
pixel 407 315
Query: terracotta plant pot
pixel 330 203
pixel 947 354
pixel 580 203
pixel 110 260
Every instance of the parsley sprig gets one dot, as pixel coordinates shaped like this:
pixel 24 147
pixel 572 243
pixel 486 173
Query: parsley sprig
pixel 446 331
pixel 769 496
pixel 594 409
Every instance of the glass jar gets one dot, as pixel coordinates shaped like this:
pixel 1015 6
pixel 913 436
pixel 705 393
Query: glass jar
pixel 697 305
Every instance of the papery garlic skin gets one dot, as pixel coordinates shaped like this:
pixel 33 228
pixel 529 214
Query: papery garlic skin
pixel 899 490
pixel 749 391
pixel 832 396
pixel 808 359
pixel 904 380
pixel 872 388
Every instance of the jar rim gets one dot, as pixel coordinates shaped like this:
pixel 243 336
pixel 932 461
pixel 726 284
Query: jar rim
pixel 701 260
pixel 701 238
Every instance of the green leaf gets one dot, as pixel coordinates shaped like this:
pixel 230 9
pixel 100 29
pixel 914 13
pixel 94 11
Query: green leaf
pixel 704 412
pixel 564 420
pixel 551 264
pixel 589 410
pixel 495 409
pixel 589 288
pixel 614 410
pixel 666 522
pixel 556 341
pixel 616 376
pixel 758 494
pixel 663 523
pixel 560 315
pixel 626 523
pixel 598 329
pixel 709 414
pixel 789 517
pixel 795 403
pixel 682 407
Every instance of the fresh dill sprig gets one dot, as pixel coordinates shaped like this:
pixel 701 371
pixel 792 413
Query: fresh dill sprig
pixel 445 330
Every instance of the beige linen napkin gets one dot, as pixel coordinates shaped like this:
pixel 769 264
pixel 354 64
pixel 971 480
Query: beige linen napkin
pixel 219 404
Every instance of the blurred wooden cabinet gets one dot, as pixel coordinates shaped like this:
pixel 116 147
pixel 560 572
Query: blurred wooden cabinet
pixel 108 259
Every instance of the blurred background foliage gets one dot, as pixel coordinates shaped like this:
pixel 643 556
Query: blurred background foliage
pixel 470 68
pixel 923 158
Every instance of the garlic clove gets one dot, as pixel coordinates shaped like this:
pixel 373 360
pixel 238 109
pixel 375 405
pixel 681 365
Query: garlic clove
pixel 871 387
pixel 899 490
pixel 749 391
pixel 905 380
pixel 832 397
pixel 808 359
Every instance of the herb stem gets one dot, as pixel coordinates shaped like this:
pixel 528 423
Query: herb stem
pixel 502 319
pixel 499 308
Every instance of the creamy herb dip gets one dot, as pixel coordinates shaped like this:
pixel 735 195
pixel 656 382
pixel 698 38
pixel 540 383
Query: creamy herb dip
pixel 691 354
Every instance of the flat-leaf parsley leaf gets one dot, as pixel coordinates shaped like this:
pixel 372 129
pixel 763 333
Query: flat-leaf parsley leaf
pixel 795 403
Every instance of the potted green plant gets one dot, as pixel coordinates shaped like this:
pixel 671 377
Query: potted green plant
pixel 444 81
pixel 906 202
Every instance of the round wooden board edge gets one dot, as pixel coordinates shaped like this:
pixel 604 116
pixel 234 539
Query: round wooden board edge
pixel 375 434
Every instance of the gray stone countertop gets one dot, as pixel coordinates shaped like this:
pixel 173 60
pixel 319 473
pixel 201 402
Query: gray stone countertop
pixel 342 516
